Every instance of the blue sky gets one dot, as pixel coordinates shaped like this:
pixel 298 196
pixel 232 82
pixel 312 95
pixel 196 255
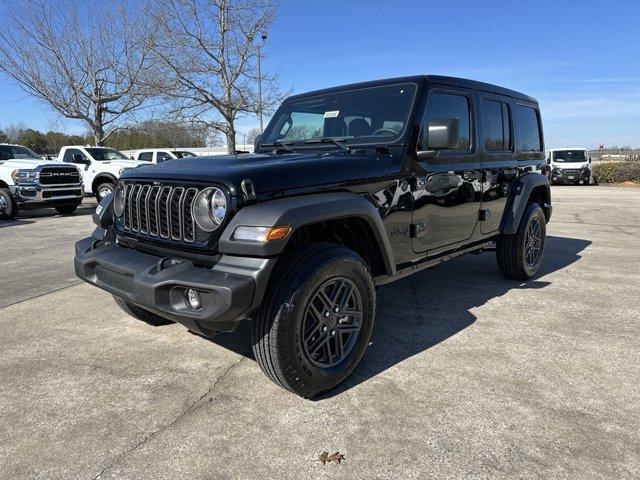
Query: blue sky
pixel 580 59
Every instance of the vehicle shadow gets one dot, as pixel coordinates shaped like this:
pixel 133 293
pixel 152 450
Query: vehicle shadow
pixel 420 311
pixel 28 216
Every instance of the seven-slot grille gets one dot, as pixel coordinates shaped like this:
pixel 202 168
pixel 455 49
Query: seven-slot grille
pixel 59 175
pixel 160 211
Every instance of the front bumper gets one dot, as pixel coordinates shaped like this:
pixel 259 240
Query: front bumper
pixel 35 194
pixel 230 290
pixel 570 175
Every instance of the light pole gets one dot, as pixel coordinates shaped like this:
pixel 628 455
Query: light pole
pixel 258 47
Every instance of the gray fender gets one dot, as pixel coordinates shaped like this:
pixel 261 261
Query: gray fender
pixel 299 211
pixel 519 196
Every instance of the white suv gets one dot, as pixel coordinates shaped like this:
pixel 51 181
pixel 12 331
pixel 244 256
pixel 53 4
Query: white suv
pixel 101 167
pixel 26 181
pixel 159 155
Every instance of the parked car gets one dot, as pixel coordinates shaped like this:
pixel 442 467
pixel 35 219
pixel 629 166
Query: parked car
pixel 101 167
pixel 28 181
pixel 569 165
pixel 159 155
pixel 349 188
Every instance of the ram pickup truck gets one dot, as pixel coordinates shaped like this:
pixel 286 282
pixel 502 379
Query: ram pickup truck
pixel 28 181
pixel 349 188
pixel 101 167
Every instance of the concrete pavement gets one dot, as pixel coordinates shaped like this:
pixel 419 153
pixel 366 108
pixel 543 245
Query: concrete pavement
pixel 468 375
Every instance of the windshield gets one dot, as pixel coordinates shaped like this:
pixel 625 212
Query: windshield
pixel 569 156
pixel 7 152
pixel 184 153
pixel 360 116
pixel 104 154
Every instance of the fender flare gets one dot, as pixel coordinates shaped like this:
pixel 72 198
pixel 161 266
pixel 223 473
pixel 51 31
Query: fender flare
pixel 519 196
pixel 102 175
pixel 304 210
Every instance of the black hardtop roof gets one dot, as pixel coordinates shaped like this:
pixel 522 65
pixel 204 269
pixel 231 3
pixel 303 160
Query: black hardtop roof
pixel 453 81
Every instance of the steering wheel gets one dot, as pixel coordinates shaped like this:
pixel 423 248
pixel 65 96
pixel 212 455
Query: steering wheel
pixel 382 131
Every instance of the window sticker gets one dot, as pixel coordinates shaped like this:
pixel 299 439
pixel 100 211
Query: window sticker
pixel 331 114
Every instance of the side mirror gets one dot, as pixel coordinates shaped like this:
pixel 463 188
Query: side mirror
pixel 77 158
pixel 166 158
pixel 256 142
pixel 443 134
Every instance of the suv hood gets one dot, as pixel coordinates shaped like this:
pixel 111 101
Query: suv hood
pixel 269 172
pixel 26 163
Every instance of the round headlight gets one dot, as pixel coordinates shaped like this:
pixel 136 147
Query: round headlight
pixel 209 208
pixel 118 200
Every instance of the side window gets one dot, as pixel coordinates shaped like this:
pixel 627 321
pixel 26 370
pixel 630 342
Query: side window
pixel 495 126
pixel 527 129
pixel 160 156
pixel 145 156
pixel 69 153
pixel 448 105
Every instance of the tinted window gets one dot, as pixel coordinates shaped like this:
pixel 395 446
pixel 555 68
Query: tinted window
pixel 69 153
pixel 527 129
pixel 495 126
pixel 160 156
pixel 445 105
pixel 145 156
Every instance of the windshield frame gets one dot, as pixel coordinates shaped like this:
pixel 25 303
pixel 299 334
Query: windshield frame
pixel 350 142
pixel 92 149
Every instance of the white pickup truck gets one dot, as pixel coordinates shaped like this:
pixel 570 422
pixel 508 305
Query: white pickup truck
pixel 101 167
pixel 27 181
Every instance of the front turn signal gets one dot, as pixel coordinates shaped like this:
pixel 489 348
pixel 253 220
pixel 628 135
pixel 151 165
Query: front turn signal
pixel 260 234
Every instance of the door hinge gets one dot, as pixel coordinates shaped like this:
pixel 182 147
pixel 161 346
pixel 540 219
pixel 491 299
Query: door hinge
pixel 484 214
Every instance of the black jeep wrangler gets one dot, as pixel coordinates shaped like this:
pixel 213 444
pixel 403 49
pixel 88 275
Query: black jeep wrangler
pixel 349 188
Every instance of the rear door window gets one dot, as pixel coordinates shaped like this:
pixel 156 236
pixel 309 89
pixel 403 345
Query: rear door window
pixel 495 126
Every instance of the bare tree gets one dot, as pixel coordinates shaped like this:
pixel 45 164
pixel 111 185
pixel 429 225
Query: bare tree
pixel 209 57
pixel 252 135
pixel 85 60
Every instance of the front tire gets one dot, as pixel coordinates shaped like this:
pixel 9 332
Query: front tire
pixel 520 255
pixel 103 190
pixel 140 313
pixel 314 325
pixel 8 206
pixel 67 209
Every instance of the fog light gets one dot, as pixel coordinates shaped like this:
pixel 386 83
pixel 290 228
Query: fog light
pixel 194 299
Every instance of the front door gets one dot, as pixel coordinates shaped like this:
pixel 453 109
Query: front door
pixel 447 189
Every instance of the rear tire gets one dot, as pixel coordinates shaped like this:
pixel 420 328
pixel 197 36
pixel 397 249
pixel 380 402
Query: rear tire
pixel 140 313
pixel 103 190
pixel 67 209
pixel 299 340
pixel 520 255
pixel 8 206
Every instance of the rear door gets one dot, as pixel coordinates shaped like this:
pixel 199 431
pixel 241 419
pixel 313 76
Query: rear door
pixel 447 192
pixel 499 165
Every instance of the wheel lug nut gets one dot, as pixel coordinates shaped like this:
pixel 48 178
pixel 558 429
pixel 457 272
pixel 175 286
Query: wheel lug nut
pixel 336 309
pixel 333 332
pixel 324 329
pixel 326 314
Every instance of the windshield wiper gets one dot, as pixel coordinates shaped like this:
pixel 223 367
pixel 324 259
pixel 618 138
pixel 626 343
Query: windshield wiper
pixel 282 146
pixel 325 140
